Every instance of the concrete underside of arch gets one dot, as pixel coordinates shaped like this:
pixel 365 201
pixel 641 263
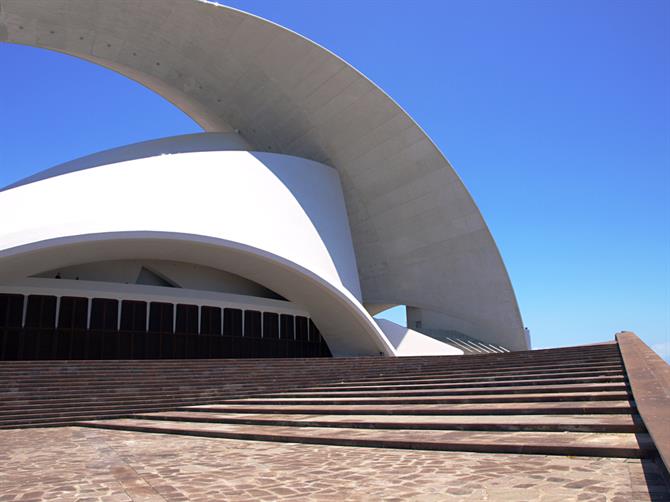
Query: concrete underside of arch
pixel 346 326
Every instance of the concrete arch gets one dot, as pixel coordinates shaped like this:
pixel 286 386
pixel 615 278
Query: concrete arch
pixel 418 236
pixel 337 313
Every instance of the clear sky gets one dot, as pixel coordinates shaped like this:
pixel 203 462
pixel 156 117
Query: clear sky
pixel 556 115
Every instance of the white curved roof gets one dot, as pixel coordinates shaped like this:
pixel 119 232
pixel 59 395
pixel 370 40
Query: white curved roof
pixel 419 238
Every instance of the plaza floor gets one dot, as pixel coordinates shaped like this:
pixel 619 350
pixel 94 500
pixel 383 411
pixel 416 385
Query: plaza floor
pixel 73 463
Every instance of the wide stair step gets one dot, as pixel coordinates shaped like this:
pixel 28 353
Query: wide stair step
pixel 456 390
pixel 543 443
pixel 489 398
pixel 549 423
pixel 495 409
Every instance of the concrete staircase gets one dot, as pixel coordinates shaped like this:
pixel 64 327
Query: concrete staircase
pixel 570 401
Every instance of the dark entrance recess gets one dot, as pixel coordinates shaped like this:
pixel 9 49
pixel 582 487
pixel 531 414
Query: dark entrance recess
pixel 40 327
pixel 72 317
pixel 40 322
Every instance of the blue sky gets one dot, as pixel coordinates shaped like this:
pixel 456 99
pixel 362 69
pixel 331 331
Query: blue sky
pixel 556 115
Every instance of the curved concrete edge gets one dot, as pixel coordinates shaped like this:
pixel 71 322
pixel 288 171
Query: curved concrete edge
pixel 345 324
pixel 649 379
pixel 183 143
pixel 289 206
pixel 408 342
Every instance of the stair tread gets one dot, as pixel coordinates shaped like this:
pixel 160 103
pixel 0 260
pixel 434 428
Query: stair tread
pixel 446 383
pixel 499 397
pixel 489 407
pixel 614 386
pixel 616 444
pixel 623 420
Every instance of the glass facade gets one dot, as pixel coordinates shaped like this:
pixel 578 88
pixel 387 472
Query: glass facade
pixel 67 327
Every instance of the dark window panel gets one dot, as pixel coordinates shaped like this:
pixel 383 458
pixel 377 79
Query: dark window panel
pixel 187 319
pixel 11 311
pixel 41 311
pixel 252 324
pixel 301 328
pixel 160 317
pixel 232 322
pixel 104 314
pixel 133 315
pixel 210 320
pixel 287 331
pixel 270 325
pixel 72 312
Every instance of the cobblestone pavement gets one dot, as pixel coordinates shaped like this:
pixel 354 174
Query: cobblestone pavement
pixel 88 465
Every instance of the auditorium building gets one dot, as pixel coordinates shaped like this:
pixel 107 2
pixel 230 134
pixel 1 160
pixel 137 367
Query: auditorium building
pixel 310 203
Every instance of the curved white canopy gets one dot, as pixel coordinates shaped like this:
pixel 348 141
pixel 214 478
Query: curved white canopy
pixel 418 236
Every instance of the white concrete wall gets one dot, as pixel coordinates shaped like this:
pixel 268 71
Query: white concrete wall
pixel 288 206
pixel 276 219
